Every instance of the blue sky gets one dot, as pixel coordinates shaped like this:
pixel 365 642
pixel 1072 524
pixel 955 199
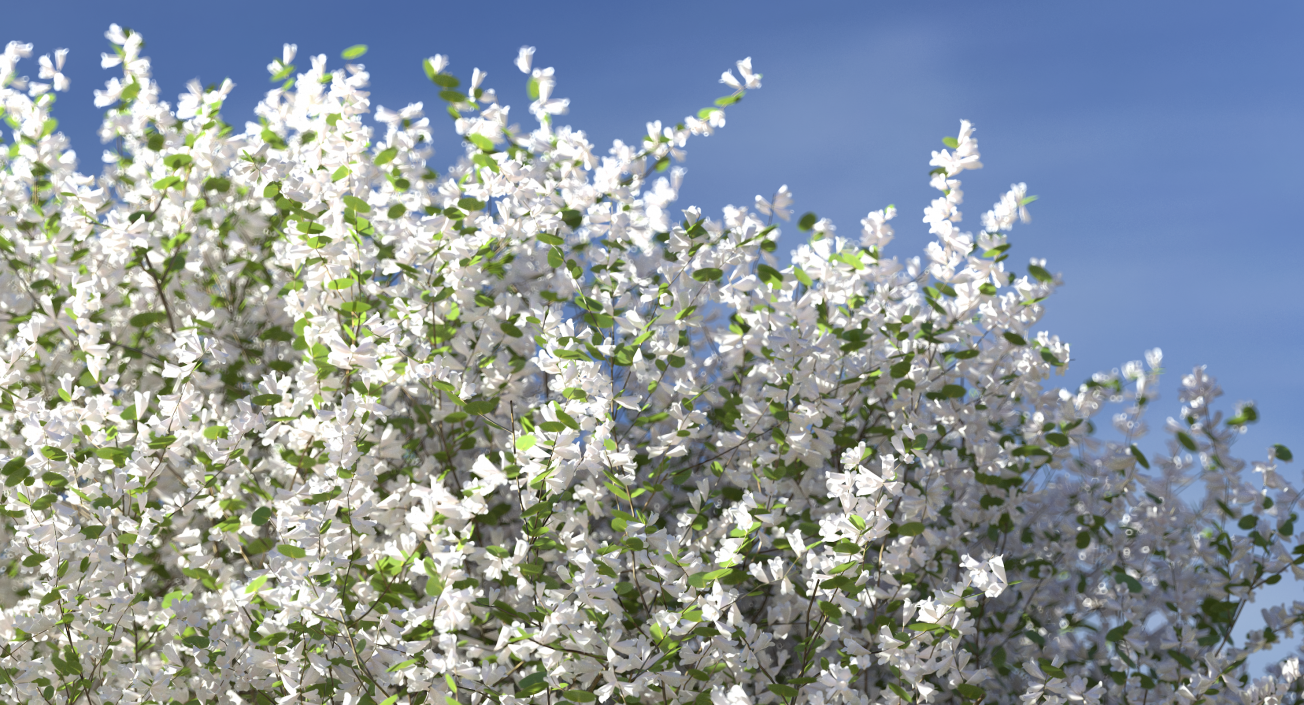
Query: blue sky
pixel 1163 138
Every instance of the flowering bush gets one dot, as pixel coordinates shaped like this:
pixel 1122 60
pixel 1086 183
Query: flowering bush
pixel 288 416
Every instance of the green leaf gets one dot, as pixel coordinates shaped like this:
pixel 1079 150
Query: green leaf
pixel 114 454
pixel 162 442
pixel 770 276
pixel 1057 439
pixel 354 52
pixel 51 596
pixel 802 276
pixel 579 696
pixel 911 528
pixel 276 333
pixel 927 627
pixel 54 480
pixel 1186 441
pixel 566 418
pixel 970 691
pixel 701 581
pixel 1283 453
pixel 54 453
pixel 484 143
pixel 1140 457
pixel 357 204
pixel 531 684
pixel 830 610
pixel 386 156
pixel 217 183
pixel 266 399
pixel 1245 414
pixel 141 320
pixel 951 142
pixel 34 560
pixel 255 584
pixel 1014 338
pixel 525 442
pixel 1040 274
pixel 289 551
pixel 17 477
pixel 1119 632
pixel 807 222
pixel 784 691
pixel 396 211
pixel 400 666
pixel 1084 539
pixel 262 515
pixel 482 407
pixel 434 583
pixel 174 596
pixel 213 433
pixel 708 274
pixel 847 546
pixel 1133 585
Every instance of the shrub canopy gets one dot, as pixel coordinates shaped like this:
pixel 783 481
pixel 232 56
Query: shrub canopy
pixel 288 416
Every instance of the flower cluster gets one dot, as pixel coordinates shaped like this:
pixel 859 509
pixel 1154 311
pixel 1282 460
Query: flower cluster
pixel 288 416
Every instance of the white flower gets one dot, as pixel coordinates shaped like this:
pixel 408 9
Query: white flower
pixel 54 69
pixel 750 79
pixel 524 59
pixel 438 63
pixel 779 206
